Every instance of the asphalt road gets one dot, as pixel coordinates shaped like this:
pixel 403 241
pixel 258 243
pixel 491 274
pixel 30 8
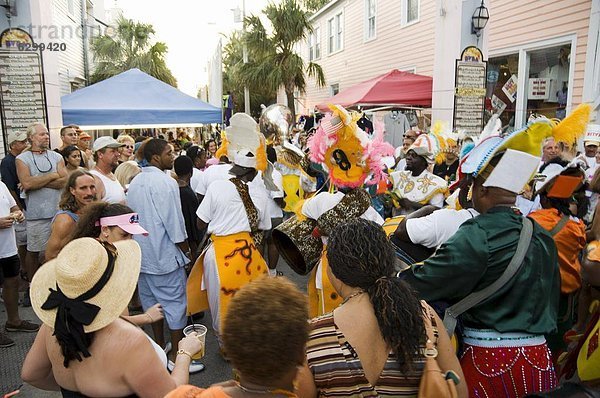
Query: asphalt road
pixel 11 358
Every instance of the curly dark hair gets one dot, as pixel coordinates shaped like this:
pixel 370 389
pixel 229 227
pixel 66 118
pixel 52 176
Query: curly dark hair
pixel 265 329
pixel 360 255
pixel 86 226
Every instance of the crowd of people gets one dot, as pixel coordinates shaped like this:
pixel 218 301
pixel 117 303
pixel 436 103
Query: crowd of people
pixel 477 257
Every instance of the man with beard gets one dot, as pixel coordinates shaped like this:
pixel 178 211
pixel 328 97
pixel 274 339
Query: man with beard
pixel 42 174
pixel 79 192
pixel 106 156
pixel 416 186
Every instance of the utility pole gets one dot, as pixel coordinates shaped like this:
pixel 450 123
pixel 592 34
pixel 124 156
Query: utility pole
pixel 245 57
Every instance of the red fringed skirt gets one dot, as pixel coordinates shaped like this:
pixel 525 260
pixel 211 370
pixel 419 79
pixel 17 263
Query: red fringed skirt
pixel 506 364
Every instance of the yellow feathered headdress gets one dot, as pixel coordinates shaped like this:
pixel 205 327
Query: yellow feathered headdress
pixel 524 147
pixel 528 139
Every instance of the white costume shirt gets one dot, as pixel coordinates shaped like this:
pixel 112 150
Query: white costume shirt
pixel 323 202
pixel 195 179
pixel 274 210
pixel 433 230
pixel 224 212
pixel 426 188
pixel 318 205
pixel 213 173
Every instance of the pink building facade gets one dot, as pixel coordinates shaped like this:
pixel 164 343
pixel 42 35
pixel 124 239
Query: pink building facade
pixel 552 43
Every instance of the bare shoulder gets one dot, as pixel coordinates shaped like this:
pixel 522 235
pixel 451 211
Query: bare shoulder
pixel 63 221
pixel 122 337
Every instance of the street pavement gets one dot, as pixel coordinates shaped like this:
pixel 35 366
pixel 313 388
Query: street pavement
pixel 11 358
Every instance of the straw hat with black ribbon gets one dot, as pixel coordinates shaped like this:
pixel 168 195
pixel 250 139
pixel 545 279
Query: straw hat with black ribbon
pixel 85 288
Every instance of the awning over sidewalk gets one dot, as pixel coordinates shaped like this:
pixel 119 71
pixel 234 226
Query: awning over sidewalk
pixel 134 99
pixel 394 88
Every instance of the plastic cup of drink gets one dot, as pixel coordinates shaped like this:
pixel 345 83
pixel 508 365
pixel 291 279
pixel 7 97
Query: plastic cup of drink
pixel 201 330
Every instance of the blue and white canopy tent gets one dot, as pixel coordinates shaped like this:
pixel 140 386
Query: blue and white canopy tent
pixel 134 99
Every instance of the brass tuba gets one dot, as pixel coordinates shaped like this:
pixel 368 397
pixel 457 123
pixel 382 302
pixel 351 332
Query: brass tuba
pixel 276 122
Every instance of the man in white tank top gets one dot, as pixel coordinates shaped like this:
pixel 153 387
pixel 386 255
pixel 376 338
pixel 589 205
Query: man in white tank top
pixel 106 156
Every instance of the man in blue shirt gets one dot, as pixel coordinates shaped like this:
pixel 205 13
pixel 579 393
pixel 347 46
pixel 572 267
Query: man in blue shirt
pixel 155 197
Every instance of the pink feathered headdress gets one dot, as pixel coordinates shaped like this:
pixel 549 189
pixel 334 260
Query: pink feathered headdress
pixel 338 135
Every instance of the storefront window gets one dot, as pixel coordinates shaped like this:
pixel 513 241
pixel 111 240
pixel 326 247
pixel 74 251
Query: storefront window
pixel 544 86
pixel 501 89
pixel 548 84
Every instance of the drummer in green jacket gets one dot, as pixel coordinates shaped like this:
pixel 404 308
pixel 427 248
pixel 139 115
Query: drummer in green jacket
pixel 505 352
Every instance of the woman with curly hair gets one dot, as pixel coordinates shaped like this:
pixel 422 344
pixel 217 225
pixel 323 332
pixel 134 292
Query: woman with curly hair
pixel 372 344
pixel 264 335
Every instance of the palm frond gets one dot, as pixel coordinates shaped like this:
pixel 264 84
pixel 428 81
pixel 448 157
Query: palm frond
pixel 131 47
pixel 315 71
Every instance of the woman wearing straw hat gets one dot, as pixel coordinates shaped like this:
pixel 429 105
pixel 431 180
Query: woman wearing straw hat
pixel 79 297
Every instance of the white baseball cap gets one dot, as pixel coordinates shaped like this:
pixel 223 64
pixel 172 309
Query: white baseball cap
pixel 105 142
pixel 592 135
pixel 16 136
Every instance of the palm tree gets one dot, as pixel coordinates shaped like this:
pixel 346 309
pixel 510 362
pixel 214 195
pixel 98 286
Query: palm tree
pixel 273 63
pixel 232 83
pixel 314 5
pixel 130 47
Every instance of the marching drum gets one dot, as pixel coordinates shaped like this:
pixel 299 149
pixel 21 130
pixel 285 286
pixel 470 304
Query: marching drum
pixel 409 253
pixel 295 242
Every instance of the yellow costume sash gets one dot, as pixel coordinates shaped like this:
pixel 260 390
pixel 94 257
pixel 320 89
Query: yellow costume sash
pixel 588 360
pixel 418 189
pixel 238 262
pixel 321 301
pixel 293 191
pixel 391 225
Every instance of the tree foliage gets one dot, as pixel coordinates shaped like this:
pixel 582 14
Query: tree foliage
pixel 129 46
pixel 273 61
pixel 314 5
pixel 232 83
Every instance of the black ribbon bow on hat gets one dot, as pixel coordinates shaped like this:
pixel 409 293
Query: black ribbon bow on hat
pixel 75 313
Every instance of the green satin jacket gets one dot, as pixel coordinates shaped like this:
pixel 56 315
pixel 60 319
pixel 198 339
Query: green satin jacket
pixel 476 256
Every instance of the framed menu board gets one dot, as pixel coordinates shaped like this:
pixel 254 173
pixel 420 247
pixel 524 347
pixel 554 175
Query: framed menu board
pixel 22 89
pixel 469 94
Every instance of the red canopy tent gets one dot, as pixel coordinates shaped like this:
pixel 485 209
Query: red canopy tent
pixel 392 88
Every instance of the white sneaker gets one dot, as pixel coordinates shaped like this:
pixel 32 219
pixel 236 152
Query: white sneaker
pixel 195 366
